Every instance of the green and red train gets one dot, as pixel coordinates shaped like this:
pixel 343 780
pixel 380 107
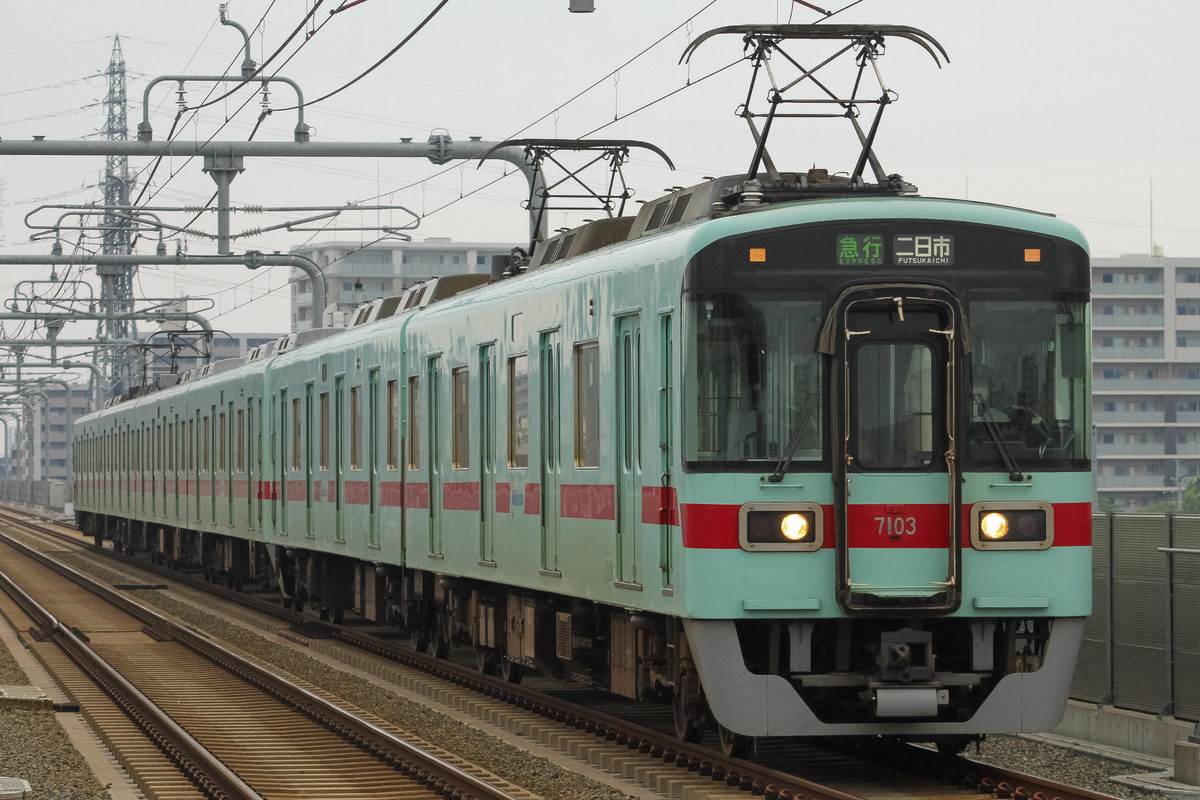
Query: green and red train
pixel 796 458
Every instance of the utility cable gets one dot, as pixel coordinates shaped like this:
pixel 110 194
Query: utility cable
pixel 428 18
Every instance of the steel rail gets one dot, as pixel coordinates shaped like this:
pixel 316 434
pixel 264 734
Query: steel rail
pixel 193 759
pixel 749 777
pixel 425 768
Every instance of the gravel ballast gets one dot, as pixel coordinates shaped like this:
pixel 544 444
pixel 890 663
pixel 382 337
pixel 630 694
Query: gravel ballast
pixel 35 748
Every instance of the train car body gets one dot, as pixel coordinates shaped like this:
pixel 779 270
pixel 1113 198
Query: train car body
pixel 807 467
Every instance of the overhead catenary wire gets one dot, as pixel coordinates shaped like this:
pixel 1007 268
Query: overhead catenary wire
pixel 270 59
pixel 428 18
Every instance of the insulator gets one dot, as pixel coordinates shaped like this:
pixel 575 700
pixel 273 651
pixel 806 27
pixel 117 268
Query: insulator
pixel 252 232
pixel 252 209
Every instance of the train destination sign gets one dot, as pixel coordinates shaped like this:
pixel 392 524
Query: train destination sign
pixel 923 250
pixel 908 250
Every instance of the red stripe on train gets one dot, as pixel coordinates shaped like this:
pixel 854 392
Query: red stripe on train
pixel 588 501
pixel 660 505
pixel 460 496
pixel 712 526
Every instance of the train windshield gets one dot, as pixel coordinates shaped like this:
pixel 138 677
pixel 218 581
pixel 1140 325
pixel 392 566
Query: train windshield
pixel 1028 384
pixel 755 395
pixel 753 381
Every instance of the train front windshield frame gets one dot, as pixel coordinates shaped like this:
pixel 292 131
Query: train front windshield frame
pixel 755 388
pixel 756 391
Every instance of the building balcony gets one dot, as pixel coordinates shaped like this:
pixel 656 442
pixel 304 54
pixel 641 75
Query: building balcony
pixel 1128 289
pixel 1160 482
pixel 1127 418
pixel 1110 451
pixel 1128 353
pixel 1145 386
pixel 1127 321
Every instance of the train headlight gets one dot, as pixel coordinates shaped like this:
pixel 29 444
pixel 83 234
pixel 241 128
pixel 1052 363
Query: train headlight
pixel 1012 525
pixel 794 527
pixel 993 525
pixel 780 527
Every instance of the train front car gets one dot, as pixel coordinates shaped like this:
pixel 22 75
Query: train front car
pixel 885 509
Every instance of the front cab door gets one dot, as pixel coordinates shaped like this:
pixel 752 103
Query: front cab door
pixel 896 480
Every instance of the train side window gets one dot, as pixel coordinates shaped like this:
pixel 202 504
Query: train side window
pixel 413 432
pixel 393 423
pixel 460 436
pixel 221 432
pixel 339 433
pixel 205 456
pixel 355 426
pixel 241 440
pixel 297 421
pixel 324 449
pixel 587 404
pixel 518 411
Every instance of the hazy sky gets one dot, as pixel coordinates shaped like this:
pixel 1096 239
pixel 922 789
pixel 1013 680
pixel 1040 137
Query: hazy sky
pixel 1087 110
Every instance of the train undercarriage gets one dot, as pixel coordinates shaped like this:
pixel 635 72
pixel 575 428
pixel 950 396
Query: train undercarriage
pixel 921 678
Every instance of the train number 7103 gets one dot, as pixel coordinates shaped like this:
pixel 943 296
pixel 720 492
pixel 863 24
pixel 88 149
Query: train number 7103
pixel 896 527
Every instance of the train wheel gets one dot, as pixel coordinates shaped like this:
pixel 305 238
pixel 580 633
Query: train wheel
pixel 734 745
pixel 510 671
pixel 485 660
pixel 439 645
pixel 688 726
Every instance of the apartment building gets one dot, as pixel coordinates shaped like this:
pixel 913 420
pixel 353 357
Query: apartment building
pixel 355 274
pixel 1146 369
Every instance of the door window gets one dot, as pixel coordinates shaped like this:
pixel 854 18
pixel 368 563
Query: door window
pixel 893 392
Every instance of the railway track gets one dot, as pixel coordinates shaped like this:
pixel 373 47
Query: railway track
pixel 635 742
pixel 189 718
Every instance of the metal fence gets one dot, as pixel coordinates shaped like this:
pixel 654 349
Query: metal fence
pixel 1141 647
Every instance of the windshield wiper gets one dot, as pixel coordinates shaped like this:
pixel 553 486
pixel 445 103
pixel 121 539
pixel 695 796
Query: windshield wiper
pixel 1010 463
pixel 799 426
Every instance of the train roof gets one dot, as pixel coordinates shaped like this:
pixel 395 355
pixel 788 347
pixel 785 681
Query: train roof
pixel 729 198
pixel 732 195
